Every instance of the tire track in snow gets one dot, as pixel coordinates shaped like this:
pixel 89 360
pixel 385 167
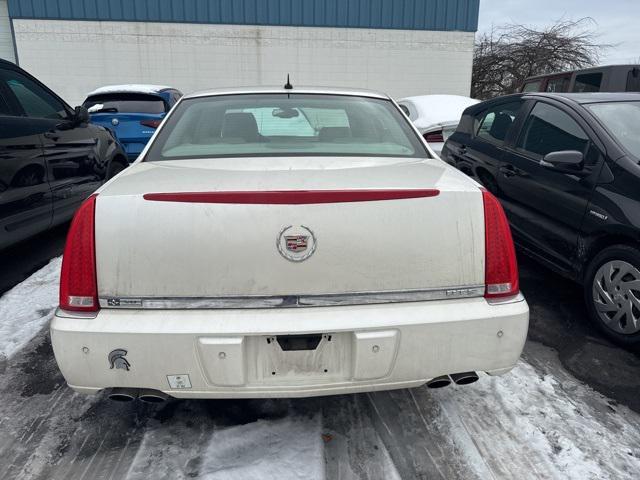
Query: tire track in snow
pixel 353 449
pixel 419 446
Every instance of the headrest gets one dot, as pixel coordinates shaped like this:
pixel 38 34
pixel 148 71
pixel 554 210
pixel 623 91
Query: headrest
pixel 328 134
pixel 240 125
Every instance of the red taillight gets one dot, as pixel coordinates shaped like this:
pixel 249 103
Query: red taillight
pixel 501 267
pixel 151 123
pixel 78 284
pixel 434 137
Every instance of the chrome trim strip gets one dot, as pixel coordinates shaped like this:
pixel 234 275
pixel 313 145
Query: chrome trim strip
pixel 79 315
pixel 291 301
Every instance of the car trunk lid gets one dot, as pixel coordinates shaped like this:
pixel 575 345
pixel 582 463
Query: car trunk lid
pixel 371 226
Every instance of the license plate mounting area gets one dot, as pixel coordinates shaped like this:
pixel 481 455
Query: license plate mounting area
pixel 304 359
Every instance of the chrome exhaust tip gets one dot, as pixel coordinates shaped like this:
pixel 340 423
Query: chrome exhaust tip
pixel 123 394
pixel 152 396
pixel 464 378
pixel 439 382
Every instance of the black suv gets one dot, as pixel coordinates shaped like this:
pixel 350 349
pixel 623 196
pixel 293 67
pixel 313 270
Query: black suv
pixel 566 168
pixel 51 158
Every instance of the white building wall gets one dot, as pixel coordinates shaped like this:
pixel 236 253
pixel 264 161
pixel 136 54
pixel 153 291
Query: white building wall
pixel 6 40
pixel 73 58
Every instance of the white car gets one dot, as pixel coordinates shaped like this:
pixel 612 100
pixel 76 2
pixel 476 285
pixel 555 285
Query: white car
pixel 435 116
pixel 286 243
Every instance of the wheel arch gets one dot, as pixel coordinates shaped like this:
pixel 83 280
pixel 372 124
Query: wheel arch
pixel 596 242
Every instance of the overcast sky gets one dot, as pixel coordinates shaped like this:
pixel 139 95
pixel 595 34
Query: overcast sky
pixel 616 21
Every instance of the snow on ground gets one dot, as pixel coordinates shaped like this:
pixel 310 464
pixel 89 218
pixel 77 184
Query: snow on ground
pixel 280 449
pixel 288 448
pixel 27 307
pixel 531 425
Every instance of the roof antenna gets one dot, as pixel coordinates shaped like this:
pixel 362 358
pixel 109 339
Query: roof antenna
pixel 288 86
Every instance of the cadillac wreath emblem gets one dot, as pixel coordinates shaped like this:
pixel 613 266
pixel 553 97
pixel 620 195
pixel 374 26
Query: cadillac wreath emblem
pixel 296 243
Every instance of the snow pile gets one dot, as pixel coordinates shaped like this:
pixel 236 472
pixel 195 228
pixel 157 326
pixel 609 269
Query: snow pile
pixel 290 448
pixel 526 425
pixel 27 307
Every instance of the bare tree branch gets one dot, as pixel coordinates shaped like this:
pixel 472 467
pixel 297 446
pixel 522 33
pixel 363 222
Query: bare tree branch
pixel 507 55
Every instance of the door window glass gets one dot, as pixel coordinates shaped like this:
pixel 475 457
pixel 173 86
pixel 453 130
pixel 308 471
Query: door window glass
pixel 588 82
pixel 558 84
pixel 35 101
pixel 633 80
pixel 532 86
pixel 4 106
pixel 494 124
pixel 548 129
pixel 622 119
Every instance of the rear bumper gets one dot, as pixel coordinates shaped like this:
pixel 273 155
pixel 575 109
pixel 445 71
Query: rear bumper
pixel 235 353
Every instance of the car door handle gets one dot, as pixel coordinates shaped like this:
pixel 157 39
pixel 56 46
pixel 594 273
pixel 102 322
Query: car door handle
pixel 508 170
pixel 51 135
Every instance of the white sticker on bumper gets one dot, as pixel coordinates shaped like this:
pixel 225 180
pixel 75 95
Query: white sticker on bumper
pixel 179 382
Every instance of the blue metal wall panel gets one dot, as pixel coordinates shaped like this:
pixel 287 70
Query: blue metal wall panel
pixel 395 14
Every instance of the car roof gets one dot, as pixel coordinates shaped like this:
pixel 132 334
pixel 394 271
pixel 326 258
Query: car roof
pixel 130 88
pixel 582 70
pixel 295 89
pixel 566 98
pixel 595 97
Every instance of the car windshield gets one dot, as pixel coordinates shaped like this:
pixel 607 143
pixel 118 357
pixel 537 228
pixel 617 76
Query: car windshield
pixel 124 103
pixel 622 119
pixel 258 125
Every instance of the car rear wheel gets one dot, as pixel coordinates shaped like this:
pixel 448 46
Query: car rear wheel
pixel 612 293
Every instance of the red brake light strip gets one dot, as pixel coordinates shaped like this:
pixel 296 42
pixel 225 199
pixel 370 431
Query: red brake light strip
pixel 290 197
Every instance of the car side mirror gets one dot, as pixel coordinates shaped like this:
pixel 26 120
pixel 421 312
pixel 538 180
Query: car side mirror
pixel 81 115
pixel 565 161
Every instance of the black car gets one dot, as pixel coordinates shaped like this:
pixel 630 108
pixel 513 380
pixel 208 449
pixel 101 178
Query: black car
pixel 567 170
pixel 51 158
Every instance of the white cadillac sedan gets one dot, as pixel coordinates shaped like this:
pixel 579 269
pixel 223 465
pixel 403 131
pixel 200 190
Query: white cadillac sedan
pixel 285 243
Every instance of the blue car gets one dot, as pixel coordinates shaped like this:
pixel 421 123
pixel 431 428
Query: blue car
pixel 131 112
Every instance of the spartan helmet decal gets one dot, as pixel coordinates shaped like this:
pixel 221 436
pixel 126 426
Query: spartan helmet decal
pixel 117 360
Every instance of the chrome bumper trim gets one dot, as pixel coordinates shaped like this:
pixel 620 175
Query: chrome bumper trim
pixel 289 301
pixel 502 301
pixel 80 315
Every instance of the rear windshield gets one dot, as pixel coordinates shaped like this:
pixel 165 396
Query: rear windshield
pixel 259 125
pixel 124 103
pixel 622 119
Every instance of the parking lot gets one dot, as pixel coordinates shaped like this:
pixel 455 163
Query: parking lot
pixel 568 410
